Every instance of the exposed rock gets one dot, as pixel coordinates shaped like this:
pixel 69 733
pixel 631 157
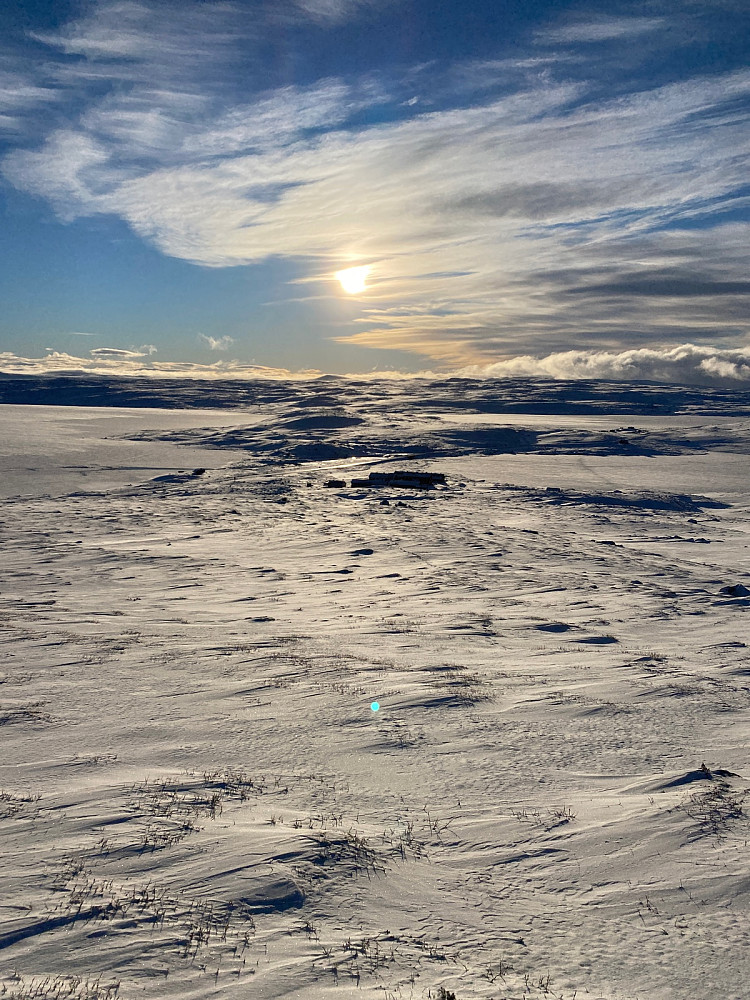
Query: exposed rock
pixel 408 480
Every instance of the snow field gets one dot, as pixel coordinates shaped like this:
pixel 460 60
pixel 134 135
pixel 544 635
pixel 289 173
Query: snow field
pixel 197 799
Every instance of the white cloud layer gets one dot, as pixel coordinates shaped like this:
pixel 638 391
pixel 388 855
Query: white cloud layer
pixel 687 364
pixel 119 362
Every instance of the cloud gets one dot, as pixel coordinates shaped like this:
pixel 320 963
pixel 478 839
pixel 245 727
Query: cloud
pixel 602 29
pixel 559 219
pixel 20 95
pixel 116 354
pixel 281 117
pixel 335 11
pixel 116 362
pixel 182 40
pixel 126 34
pixel 71 170
pixel 687 364
pixel 216 343
pixel 546 214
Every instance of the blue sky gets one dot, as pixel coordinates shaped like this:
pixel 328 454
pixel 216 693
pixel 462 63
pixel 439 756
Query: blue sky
pixel 526 181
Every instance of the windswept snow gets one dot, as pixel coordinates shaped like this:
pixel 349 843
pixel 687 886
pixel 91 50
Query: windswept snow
pixel 196 797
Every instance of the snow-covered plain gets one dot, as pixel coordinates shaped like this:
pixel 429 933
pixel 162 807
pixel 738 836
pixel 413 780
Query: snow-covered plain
pixel 196 796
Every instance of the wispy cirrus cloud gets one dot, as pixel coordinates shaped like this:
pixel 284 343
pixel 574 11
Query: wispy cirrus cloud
pixel 278 119
pixel 130 33
pixel 600 29
pixel 20 95
pixel 336 11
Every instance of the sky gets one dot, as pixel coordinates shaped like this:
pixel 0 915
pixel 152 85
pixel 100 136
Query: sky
pixel 534 187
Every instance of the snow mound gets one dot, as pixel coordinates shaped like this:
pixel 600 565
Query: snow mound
pixel 646 500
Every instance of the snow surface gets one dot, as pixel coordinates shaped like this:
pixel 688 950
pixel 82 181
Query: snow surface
pixel 196 797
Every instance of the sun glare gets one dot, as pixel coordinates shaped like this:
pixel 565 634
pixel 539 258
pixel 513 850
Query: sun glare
pixel 353 279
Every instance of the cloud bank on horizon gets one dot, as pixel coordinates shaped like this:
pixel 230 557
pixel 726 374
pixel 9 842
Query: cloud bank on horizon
pixel 556 188
pixel 687 364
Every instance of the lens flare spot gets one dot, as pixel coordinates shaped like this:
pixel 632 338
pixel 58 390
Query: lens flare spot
pixel 353 279
pixel 375 706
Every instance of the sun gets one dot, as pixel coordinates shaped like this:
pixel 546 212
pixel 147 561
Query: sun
pixel 353 279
